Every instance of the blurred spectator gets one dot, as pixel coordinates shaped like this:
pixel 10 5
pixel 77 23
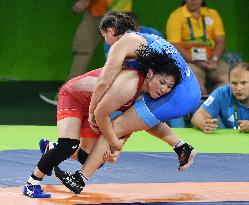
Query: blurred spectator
pixel 232 57
pixel 87 36
pixel 198 34
pixel 229 103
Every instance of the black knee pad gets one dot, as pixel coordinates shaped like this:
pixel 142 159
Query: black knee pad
pixel 82 156
pixel 64 149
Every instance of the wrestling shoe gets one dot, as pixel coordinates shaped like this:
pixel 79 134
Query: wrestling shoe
pixel 73 182
pixel 46 145
pixel 34 191
pixel 186 154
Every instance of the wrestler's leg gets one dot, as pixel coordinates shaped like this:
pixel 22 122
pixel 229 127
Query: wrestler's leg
pixel 129 122
pixel 165 133
pixel 86 145
pixel 87 140
pixel 95 159
pixel 68 131
pixel 125 124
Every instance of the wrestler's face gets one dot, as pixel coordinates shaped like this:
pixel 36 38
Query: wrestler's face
pixel 109 36
pixel 159 85
pixel 239 81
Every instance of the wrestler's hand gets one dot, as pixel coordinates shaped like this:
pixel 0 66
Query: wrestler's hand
pixel 110 156
pixel 117 146
pixel 92 122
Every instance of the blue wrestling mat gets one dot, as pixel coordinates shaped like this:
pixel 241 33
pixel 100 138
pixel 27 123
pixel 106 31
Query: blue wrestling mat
pixel 132 167
pixel 146 177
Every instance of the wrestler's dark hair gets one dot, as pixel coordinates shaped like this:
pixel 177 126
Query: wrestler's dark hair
pixel 134 17
pixel 119 21
pixel 159 63
pixel 243 65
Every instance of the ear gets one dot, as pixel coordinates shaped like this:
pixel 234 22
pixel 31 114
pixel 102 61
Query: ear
pixel 149 74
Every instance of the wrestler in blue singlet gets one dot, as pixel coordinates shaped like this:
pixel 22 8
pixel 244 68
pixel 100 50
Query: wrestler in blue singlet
pixel 183 99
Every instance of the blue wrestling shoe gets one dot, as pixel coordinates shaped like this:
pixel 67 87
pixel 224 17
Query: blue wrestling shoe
pixel 34 191
pixel 46 145
pixel 43 143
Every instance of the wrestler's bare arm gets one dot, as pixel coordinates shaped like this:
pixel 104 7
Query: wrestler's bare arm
pixel 124 48
pixel 121 91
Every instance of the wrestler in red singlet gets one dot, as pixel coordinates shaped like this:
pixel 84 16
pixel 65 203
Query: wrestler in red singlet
pixel 75 96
